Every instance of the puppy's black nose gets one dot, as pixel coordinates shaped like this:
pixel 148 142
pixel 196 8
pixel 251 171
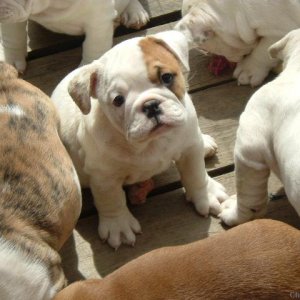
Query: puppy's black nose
pixel 151 108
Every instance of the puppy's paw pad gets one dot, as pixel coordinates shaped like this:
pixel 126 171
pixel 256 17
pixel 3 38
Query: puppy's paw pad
pixel 210 145
pixel 134 16
pixel 119 229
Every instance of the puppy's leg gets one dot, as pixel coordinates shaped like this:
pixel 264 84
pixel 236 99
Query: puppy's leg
pixel 14 45
pixel 254 68
pixel 203 191
pixel 116 223
pixel 98 34
pixel 134 15
pixel 252 194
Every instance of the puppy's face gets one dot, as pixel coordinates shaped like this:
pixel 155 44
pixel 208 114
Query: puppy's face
pixel 202 31
pixel 13 11
pixel 140 86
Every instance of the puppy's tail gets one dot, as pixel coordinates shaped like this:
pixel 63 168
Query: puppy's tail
pixel 7 71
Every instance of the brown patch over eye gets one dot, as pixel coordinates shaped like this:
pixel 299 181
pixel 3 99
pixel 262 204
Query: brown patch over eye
pixel 161 61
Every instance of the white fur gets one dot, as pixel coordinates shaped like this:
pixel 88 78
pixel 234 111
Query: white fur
pixel 112 146
pixel 15 284
pixel 94 18
pixel 268 139
pixel 12 109
pixel 240 30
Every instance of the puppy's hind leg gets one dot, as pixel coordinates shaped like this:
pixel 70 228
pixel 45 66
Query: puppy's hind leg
pixel 252 195
pixel 98 34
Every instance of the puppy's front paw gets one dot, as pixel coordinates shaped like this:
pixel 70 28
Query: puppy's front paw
pixel 230 214
pixel 250 72
pixel 208 199
pixel 14 57
pixel 210 145
pixel 119 229
pixel 134 15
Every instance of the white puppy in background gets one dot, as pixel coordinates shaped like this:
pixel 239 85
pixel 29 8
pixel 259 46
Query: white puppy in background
pixel 268 139
pixel 94 18
pixel 130 118
pixel 240 30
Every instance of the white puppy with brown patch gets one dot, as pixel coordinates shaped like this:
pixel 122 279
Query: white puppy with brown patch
pixel 240 30
pixel 94 18
pixel 138 118
pixel 267 139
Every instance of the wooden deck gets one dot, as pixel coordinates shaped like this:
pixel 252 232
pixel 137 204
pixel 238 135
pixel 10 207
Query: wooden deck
pixel 166 219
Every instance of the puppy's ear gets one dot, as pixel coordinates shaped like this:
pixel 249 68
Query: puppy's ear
pixel 275 51
pixel 83 86
pixel 176 42
pixel 196 26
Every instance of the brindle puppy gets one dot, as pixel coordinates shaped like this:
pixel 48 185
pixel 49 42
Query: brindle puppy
pixel 40 197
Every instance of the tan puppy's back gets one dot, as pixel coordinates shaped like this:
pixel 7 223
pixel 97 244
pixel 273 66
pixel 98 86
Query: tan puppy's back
pixel 257 260
pixel 39 190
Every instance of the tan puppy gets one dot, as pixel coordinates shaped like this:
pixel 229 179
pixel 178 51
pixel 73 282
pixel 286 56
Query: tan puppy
pixel 257 260
pixel 40 199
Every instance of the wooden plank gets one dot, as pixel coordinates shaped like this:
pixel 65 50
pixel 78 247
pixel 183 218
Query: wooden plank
pixel 166 220
pixel 46 72
pixel 161 7
pixel 219 109
pixel 200 76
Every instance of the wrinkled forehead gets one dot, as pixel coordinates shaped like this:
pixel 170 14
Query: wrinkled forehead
pixel 126 61
pixel 142 59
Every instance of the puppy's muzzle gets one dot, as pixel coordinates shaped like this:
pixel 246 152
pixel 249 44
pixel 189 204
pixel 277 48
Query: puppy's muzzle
pixel 151 109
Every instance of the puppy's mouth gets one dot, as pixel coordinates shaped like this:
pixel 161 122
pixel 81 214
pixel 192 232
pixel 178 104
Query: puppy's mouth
pixel 159 127
pixel 155 121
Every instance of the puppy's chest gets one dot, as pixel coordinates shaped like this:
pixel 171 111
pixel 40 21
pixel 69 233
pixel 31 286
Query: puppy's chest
pixel 146 170
pixel 140 167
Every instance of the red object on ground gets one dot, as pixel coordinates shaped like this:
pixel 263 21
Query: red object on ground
pixel 219 64
pixel 137 193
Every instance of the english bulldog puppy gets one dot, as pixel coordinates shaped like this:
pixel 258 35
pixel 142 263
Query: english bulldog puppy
pixel 94 18
pixel 240 30
pixel 130 119
pixel 267 139
pixel 40 196
pixel 257 260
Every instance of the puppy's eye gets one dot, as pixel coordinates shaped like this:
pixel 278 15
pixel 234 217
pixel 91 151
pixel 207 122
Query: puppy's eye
pixel 167 78
pixel 118 101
